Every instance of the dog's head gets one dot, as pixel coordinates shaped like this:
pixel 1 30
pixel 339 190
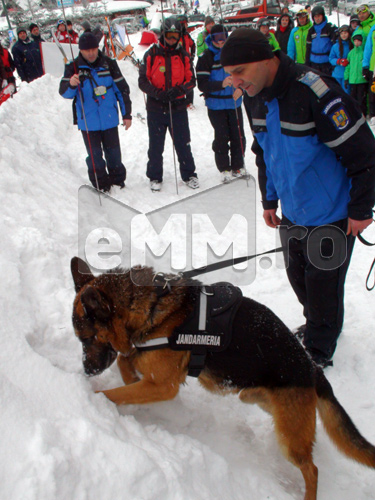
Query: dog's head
pixel 92 320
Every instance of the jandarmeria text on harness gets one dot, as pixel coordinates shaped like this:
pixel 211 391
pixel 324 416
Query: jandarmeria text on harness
pixel 198 339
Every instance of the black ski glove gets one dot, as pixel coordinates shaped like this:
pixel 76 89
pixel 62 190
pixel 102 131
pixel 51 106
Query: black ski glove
pixel 366 74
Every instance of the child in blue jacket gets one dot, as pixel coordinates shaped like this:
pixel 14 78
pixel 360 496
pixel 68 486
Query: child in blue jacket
pixel 338 55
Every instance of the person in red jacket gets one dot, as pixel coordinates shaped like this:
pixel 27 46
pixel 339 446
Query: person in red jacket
pixel 62 34
pixel 167 77
pixel 8 65
pixel 74 37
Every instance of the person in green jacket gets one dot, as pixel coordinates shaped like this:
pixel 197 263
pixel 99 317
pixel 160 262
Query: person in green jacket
pixel 298 36
pixel 264 28
pixel 353 72
pixel 367 21
pixel 201 39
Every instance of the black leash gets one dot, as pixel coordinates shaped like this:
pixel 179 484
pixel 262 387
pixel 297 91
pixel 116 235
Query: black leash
pixel 372 267
pixel 225 263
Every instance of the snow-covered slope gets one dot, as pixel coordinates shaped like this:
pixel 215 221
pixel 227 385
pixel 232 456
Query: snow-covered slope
pixel 60 440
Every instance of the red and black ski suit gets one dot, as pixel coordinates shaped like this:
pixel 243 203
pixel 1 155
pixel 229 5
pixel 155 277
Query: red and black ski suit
pixel 8 64
pixel 166 76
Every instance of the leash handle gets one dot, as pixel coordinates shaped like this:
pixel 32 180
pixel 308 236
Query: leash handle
pixel 372 268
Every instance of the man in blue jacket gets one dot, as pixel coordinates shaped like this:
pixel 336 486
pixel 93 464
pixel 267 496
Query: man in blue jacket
pixel 316 154
pixel 97 87
pixel 224 107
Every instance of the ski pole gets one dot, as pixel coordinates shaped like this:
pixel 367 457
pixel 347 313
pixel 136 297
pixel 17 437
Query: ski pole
pixel 110 37
pixel 83 111
pixel 174 153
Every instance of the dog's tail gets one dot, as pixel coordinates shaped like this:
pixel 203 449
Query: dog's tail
pixel 339 425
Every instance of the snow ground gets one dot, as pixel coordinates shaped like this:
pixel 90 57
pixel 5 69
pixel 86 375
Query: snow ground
pixel 62 441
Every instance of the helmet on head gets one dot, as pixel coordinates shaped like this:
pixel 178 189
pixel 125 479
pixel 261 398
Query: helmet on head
pixel 302 13
pixel 344 27
pixel 182 18
pixel 171 25
pixel 318 10
pixel 263 22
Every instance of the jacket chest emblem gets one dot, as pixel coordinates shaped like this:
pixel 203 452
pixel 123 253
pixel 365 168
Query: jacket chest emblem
pixel 162 69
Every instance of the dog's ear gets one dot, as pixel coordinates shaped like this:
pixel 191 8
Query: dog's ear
pixel 96 304
pixel 81 273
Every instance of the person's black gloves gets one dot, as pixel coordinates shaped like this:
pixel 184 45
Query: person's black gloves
pixel 174 93
pixel 366 74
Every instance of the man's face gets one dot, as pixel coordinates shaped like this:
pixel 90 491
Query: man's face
pixel 251 77
pixel 318 18
pixel 264 29
pixel 61 27
pixel 302 20
pixel 363 14
pixel 35 31
pixel 209 27
pixel 22 35
pixel 90 55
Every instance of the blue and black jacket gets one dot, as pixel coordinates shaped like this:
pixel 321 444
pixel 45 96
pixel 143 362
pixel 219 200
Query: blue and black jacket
pixel 101 111
pixel 320 39
pixel 28 60
pixel 314 150
pixel 210 76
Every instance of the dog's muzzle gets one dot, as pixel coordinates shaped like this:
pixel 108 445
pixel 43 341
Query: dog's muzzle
pixel 97 357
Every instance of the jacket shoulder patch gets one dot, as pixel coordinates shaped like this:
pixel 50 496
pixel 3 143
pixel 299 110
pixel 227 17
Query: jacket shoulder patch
pixel 316 84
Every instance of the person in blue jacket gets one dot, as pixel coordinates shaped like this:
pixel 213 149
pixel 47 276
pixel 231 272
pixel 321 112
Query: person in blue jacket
pixel 315 154
pixel 97 87
pixel 338 55
pixel 320 39
pixel 224 107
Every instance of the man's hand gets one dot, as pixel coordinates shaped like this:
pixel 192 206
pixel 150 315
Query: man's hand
pixel 74 81
pixel 237 94
pixel 227 82
pixel 127 123
pixel 270 218
pixel 356 227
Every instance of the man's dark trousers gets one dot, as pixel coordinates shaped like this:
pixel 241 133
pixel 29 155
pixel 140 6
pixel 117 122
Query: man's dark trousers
pixel 158 123
pixel 111 171
pixel 321 292
pixel 227 137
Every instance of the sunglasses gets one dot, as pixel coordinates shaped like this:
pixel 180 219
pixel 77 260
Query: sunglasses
pixel 219 37
pixel 362 8
pixel 172 35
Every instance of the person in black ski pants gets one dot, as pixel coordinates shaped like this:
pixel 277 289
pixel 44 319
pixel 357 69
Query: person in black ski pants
pixel 97 79
pixel 315 153
pixel 167 77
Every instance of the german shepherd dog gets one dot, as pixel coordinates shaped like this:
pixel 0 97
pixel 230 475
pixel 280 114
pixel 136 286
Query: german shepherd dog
pixel 264 363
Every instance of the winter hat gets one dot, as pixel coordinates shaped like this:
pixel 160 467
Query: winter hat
pixel 208 20
pixel 88 41
pixel 20 29
pixel 32 26
pixel 61 21
pixel 218 28
pixel 318 10
pixel 86 25
pixel 245 46
pixel 357 37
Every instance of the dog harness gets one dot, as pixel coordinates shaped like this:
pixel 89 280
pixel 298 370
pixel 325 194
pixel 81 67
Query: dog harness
pixel 208 329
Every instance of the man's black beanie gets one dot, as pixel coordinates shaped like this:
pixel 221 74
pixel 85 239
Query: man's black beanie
pixel 245 45
pixel 32 26
pixel 88 41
